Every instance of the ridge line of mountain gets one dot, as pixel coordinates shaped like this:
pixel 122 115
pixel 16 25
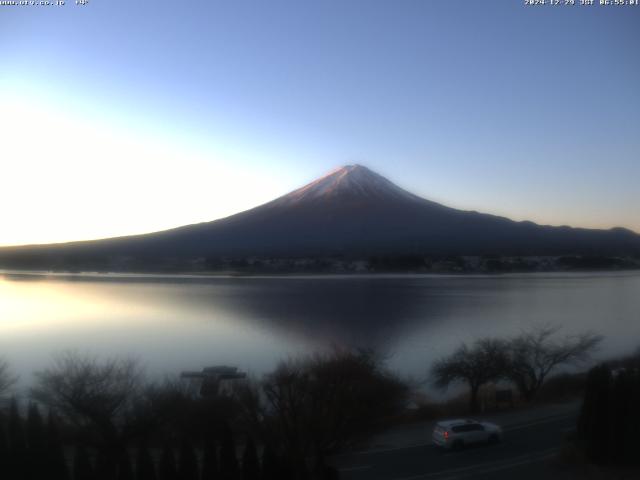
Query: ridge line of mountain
pixel 351 213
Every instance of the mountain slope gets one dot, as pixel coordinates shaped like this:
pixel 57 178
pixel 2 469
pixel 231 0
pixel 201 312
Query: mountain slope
pixel 351 211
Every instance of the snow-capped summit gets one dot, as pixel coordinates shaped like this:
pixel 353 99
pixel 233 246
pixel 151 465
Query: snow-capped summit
pixel 348 182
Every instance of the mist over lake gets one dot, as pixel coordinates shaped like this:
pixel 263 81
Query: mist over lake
pixel 174 323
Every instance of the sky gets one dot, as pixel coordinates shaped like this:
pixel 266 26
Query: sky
pixel 120 117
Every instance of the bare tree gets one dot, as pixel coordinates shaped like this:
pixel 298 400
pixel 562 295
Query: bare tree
pixel 314 405
pixel 7 380
pixel 91 393
pixel 534 354
pixel 483 362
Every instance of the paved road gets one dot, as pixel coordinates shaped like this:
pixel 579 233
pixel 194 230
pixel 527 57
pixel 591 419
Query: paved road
pixel 523 454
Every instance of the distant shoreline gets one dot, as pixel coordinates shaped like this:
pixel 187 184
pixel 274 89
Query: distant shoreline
pixel 308 276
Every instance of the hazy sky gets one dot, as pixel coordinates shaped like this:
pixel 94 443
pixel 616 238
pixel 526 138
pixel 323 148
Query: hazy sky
pixel 128 116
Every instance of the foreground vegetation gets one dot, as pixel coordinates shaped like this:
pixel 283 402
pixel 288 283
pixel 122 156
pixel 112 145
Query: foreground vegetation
pixel 609 425
pixel 105 420
pixel 525 360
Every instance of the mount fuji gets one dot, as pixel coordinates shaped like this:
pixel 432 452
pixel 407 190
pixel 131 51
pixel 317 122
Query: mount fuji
pixel 351 212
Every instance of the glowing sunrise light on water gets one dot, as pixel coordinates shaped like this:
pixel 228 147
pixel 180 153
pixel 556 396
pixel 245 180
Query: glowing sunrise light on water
pixel 31 305
pixel 52 306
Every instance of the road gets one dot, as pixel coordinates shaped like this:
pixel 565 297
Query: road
pixel 527 446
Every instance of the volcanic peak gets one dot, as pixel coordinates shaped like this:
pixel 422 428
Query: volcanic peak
pixel 348 182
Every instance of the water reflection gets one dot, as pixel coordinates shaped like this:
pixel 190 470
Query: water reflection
pixel 173 323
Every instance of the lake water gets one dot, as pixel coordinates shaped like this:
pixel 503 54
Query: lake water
pixel 179 323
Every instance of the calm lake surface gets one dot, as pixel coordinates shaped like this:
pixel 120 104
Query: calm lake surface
pixel 181 322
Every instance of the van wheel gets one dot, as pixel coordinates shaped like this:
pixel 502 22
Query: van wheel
pixel 493 439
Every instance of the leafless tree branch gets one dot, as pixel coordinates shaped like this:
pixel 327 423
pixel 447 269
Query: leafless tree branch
pixel 7 380
pixel 90 392
pixel 535 353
